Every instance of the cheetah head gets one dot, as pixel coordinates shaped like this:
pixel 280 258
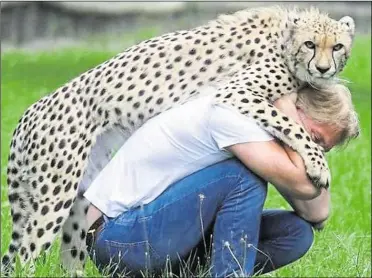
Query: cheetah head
pixel 318 46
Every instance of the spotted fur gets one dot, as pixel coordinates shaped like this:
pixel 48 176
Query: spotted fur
pixel 252 57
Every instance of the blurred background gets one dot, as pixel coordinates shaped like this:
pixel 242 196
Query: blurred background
pixel 114 25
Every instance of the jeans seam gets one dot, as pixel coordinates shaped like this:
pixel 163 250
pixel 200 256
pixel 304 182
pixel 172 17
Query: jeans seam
pixel 120 246
pixel 240 179
pixel 236 202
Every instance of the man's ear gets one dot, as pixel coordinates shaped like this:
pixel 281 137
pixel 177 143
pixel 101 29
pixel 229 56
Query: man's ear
pixel 348 22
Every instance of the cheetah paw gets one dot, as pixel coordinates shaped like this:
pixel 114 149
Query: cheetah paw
pixel 320 176
pixel 78 273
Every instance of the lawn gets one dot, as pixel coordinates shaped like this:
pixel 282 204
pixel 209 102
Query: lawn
pixel 343 248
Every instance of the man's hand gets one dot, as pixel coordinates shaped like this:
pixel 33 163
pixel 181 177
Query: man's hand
pixel 319 226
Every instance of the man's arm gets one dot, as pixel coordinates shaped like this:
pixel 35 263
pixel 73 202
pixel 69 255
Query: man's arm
pixel 315 210
pixel 267 159
pixel 270 161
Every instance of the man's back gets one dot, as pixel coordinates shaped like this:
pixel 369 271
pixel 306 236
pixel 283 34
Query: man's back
pixel 167 148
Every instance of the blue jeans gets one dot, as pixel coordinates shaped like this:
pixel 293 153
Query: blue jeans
pixel 226 200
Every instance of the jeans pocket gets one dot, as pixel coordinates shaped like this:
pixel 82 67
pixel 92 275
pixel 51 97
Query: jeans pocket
pixel 133 256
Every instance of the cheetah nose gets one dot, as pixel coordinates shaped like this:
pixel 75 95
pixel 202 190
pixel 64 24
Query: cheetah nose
pixel 322 70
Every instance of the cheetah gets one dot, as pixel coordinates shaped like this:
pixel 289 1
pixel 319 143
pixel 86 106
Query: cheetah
pixel 251 57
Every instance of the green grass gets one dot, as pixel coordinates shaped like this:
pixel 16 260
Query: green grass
pixel 342 249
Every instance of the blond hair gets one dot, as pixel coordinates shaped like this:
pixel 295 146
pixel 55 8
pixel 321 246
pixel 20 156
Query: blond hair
pixel 331 105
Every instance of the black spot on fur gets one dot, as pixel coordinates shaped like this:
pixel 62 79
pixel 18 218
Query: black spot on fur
pixel 66 238
pixel 49 225
pixel 56 190
pixel 12 248
pixel 58 206
pixel 75 226
pixel 5 260
pixel 298 136
pixel 46 246
pixel 32 247
pixel 67 204
pixel 13 197
pixel 82 234
pixel 44 210
pixel 56 229
pixel 16 217
pixel 15 235
pixel 35 206
pixel 44 189
pixel 40 232
pixel 74 252
pixel 82 256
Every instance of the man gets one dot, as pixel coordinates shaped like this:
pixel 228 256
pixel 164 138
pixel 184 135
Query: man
pixel 175 180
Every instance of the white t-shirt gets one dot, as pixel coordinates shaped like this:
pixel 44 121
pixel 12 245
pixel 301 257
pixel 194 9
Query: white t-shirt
pixel 167 148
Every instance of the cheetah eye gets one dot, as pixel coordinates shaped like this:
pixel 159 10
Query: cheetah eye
pixel 337 47
pixel 309 44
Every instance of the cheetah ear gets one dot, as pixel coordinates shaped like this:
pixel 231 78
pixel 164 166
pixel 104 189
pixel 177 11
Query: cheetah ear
pixel 349 23
pixel 291 27
pixel 295 21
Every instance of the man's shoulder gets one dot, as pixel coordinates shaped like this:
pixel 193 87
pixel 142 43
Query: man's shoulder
pixel 193 109
pixel 231 115
pixel 226 122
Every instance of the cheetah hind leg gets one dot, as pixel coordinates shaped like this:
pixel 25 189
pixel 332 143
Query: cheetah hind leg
pixel 73 247
pixel 20 207
pixel 44 223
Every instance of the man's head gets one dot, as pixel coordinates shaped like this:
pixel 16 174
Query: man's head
pixel 328 115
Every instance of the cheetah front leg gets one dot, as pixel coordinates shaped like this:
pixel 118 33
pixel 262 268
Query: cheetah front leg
pixel 279 125
pixel 74 231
